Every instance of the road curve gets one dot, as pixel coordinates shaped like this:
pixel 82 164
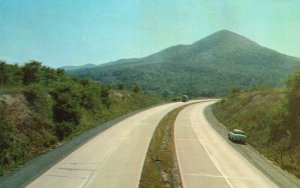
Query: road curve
pixel 113 158
pixel 205 159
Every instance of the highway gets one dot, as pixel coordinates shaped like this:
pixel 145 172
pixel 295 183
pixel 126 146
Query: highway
pixel 207 160
pixel 113 158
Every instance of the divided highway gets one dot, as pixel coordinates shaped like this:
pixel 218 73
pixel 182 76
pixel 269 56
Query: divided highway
pixel 113 158
pixel 206 159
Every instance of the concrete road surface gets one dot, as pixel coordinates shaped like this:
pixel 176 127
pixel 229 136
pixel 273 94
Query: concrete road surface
pixel 206 160
pixel 114 158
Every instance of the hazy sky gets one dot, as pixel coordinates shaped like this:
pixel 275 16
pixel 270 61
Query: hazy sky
pixel 76 32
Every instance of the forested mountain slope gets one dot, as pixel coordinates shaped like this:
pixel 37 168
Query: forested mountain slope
pixel 209 67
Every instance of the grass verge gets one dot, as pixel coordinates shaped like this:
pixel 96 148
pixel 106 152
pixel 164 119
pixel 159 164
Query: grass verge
pixel 160 167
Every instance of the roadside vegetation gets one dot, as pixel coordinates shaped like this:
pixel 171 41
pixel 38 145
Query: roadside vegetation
pixel 41 107
pixel 160 166
pixel 271 118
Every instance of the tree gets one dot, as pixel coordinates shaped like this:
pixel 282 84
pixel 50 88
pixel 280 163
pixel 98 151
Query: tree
pixel 136 88
pixel 234 92
pixel 6 135
pixel 49 75
pixel 293 85
pixel 292 119
pixel 67 110
pixel 10 74
pixel 121 86
pixel 105 97
pixel 3 72
pixel 31 72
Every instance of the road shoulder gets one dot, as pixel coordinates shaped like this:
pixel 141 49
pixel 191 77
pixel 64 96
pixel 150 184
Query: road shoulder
pixel 272 171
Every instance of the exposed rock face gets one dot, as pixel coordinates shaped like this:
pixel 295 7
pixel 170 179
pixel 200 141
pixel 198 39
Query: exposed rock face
pixel 15 109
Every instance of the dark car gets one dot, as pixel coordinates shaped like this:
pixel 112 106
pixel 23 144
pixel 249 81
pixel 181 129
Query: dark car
pixel 184 98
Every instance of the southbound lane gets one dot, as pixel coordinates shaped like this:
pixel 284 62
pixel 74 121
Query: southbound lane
pixel 113 158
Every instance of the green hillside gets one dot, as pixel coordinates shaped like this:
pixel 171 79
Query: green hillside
pixel 41 107
pixel 271 119
pixel 208 67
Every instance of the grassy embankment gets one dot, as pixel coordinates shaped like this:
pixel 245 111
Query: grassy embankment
pixel 41 107
pixel 160 167
pixel 268 118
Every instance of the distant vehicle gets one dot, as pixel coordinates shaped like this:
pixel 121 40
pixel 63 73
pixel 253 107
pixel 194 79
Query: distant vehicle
pixel 237 136
pixel 184 98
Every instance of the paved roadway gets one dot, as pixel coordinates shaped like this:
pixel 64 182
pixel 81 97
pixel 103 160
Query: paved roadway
pixel 114 158
pixel 206 159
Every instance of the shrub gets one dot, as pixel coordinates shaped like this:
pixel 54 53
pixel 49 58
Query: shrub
pixel 105 96
pixel 66 109
pixel 136 89
pixel 6 134
pixel 31 72
pixel 64 129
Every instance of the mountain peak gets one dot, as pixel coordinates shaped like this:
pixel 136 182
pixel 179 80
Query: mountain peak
pixel 220 40
pixel 208 67
pixel 225 37
pixel 225 31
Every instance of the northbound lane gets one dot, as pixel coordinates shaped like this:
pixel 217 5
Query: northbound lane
pixel 206 160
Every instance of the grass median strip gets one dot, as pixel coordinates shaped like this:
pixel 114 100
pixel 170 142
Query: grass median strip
pixel 160 167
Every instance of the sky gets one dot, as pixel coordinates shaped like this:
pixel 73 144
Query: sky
pixel 76 32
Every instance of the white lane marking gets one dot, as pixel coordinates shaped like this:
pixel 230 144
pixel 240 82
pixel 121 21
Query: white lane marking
pixel 78 163
pixel 61 176
pixel 124 137
pixel 108 154
pixel 197 140
pixel 75 169
pixel 230 177
pixel 214 161
pixel 178 156
pixel 204 174
pixel 119 173
pixel 186 139
pixel 177 149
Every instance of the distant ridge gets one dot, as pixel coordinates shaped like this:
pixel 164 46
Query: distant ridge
pixel 208 67
pixel 89 65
